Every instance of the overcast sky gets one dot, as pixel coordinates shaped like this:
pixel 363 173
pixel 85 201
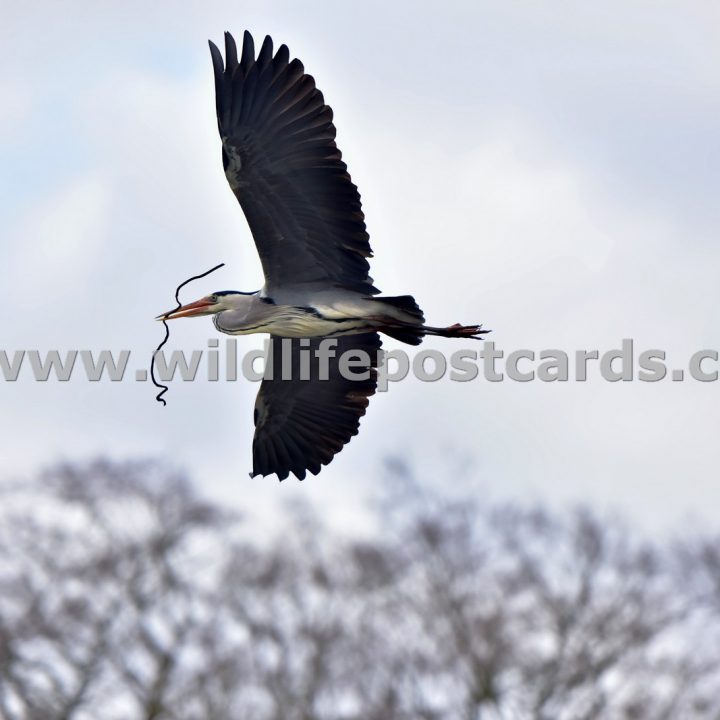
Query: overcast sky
pixel 550 169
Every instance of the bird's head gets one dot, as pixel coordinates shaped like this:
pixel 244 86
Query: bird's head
pixel 212 304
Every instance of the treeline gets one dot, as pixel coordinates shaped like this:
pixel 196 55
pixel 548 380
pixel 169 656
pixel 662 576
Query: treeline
pixel 125 595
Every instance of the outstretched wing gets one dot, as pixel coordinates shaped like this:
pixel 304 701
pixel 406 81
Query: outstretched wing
pixel 283 165
pixel 301 424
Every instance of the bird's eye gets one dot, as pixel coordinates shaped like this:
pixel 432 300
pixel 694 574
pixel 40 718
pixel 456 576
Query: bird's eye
pixel 213 299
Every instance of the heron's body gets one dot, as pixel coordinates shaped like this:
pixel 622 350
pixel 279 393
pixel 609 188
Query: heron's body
pixel 303 313
pixel 285 169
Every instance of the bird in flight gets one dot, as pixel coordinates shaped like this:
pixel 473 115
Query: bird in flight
pixel 287 173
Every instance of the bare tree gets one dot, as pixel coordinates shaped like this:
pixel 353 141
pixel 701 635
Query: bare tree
pixel 125 595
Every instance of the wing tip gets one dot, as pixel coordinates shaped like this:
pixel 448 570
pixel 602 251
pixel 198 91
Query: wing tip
pixel 214 50
pixel 300 473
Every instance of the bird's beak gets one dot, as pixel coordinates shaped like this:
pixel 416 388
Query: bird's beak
pixel 200 307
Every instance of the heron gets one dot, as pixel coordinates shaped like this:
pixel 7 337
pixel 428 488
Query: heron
pixel 283 165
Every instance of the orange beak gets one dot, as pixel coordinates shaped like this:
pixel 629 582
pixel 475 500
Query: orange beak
pixel 200 307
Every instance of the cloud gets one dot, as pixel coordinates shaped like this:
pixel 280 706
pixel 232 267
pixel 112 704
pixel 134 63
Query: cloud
pixel 549 172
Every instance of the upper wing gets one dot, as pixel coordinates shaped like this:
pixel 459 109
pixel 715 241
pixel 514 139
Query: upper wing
pixel 301 424
pixel 284 167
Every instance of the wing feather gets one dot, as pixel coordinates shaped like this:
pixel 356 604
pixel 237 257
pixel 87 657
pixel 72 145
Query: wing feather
pixel 283 165
pixel 300 425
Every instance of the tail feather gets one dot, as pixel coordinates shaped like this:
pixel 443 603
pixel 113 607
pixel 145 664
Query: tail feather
pixel 404 321
pixel 406 304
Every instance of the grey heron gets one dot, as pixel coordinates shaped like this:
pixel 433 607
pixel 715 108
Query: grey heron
pixel 284 167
